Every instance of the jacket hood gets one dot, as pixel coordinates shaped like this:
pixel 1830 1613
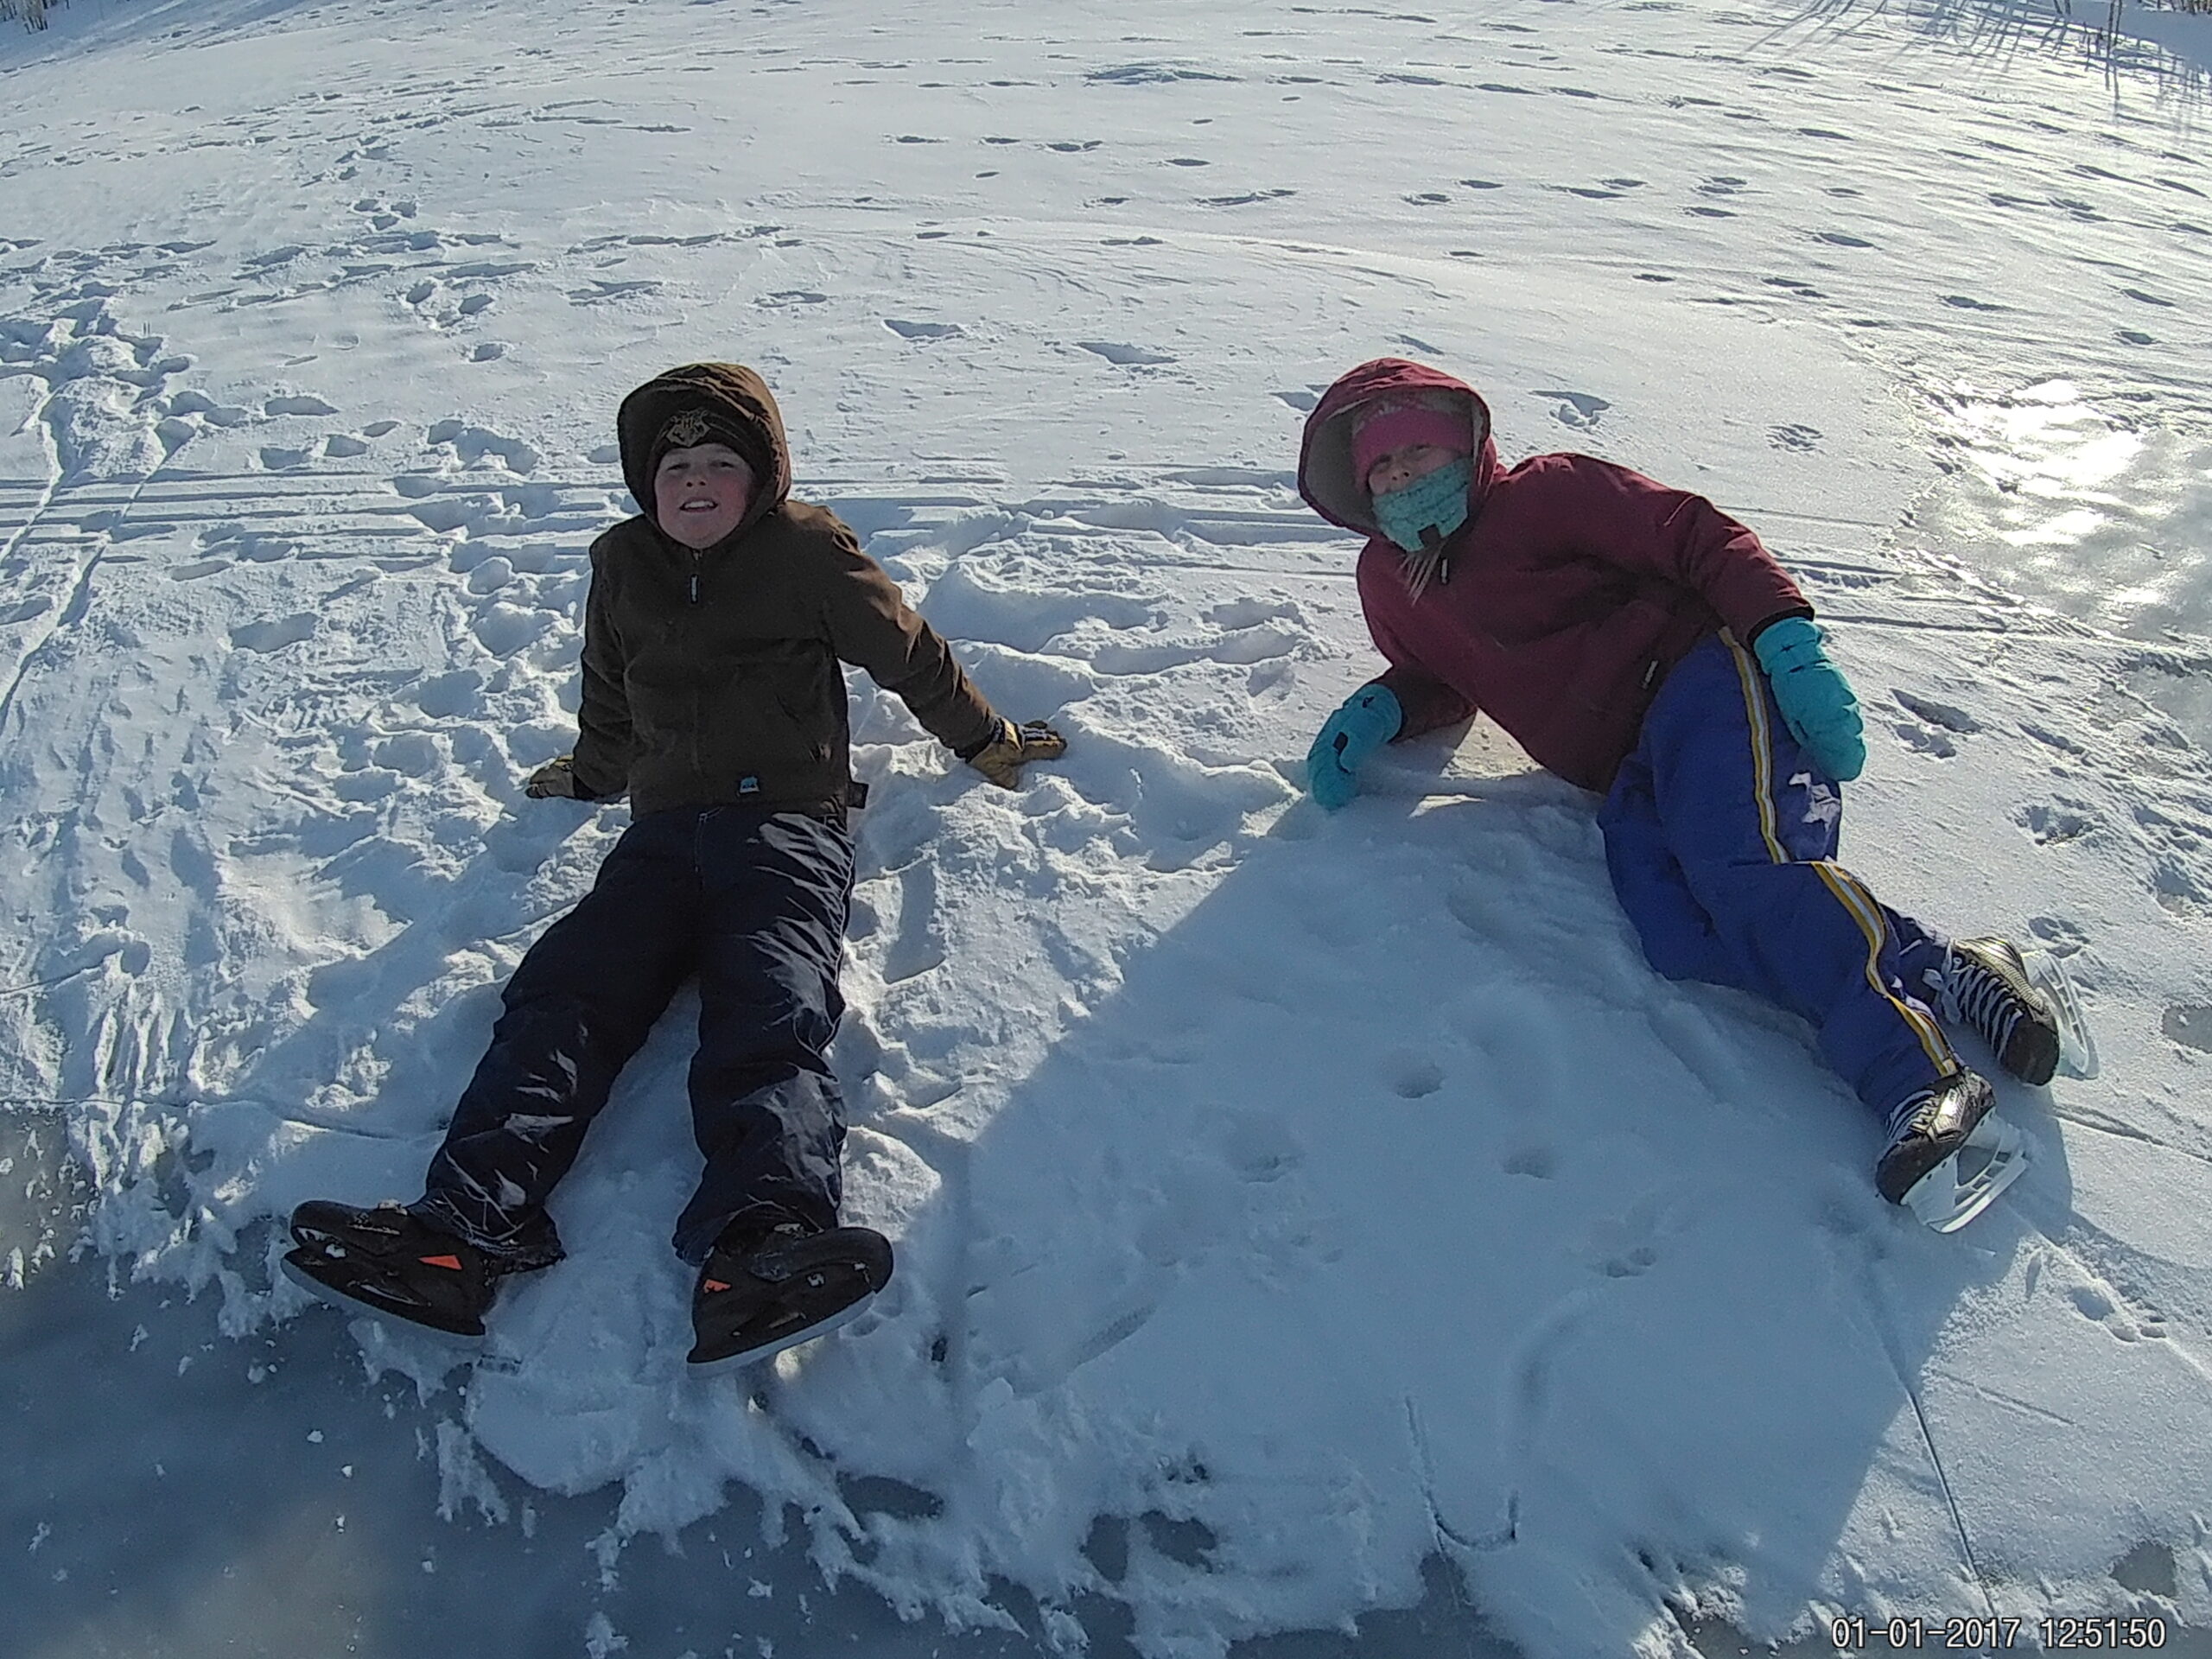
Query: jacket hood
pixel 1325 470
pixel 730 390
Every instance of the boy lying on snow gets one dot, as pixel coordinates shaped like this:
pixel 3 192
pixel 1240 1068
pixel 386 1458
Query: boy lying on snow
pixel 1637 641
pixel 711 691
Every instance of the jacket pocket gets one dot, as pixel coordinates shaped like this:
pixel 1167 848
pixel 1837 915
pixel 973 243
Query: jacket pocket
pixel 1624 663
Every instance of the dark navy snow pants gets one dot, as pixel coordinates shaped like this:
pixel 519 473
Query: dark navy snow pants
pixel 754 904
pixel 1721 836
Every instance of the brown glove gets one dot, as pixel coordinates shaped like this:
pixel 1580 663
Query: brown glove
pixel 556 778
pixel 1002 758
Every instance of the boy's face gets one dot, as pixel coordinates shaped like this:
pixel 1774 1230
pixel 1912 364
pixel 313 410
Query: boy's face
pixel 700 494
pixel 1406 464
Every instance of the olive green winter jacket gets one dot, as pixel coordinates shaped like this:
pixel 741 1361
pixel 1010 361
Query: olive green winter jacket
pixel 712 677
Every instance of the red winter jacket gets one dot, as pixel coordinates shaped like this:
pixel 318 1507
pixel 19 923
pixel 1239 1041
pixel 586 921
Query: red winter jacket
pixel 1571 589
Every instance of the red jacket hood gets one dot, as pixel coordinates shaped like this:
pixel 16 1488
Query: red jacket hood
pixel 1324 473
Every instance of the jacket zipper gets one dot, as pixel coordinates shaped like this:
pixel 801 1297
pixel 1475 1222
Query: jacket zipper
pixel 698 700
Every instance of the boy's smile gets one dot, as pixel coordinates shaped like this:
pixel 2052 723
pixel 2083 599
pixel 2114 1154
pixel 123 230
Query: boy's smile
pixel 701 494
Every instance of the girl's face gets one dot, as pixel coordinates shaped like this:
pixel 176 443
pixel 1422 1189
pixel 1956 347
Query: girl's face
pixel 700 494
pixel 1398 467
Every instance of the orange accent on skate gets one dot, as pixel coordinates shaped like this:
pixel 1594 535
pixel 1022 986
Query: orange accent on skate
pixel 451 1264
pixel 715 1284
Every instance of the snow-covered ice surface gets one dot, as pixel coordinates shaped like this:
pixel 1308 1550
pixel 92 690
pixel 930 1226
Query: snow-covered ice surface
pixel 1299 1217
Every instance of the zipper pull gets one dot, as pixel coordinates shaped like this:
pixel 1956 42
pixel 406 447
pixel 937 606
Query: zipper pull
pixel 695 587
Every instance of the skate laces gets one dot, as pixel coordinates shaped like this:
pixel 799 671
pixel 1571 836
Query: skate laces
pixel 1978 996
pixel 1904 1116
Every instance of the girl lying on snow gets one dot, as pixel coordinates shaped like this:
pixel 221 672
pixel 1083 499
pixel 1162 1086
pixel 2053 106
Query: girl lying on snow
pixel 1638 642
pixel 713 634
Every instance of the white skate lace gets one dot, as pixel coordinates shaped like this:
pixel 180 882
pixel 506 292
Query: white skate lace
pixel 1982 1000
pixel 1907 1112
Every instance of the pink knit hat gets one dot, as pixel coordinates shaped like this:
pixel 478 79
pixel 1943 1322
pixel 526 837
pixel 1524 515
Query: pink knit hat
pixel 1390 424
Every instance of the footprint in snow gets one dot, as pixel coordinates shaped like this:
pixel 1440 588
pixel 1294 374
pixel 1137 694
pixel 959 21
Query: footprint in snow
pixel 2099 1304
pixel 473 445
pixel 2057 935
pixel 1631 1264
pixel 907 330
pixel 1410 1076
pixel 1803 439
pixel 1626 1248
pixel 2175 888
pixel 1579 410
pixel 383 215
pixel 1260 1149
pixel 1252 612
pixel 274 636
pixel 1126 356
pixel 1944 715
pixel 1925 740
pixel 599 292
pixel 1539 1163
pixel 2054 825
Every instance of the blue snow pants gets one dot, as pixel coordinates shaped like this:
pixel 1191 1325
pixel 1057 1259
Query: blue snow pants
pixel 754 904
pixel 1721 835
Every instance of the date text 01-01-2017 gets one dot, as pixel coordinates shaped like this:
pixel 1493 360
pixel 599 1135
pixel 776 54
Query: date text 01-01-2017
pixel 2105 1634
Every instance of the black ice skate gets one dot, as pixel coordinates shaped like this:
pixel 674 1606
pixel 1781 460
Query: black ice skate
pixel 1985 985
pixel 1949 1155
pixel 387 1260
pixel 762 1291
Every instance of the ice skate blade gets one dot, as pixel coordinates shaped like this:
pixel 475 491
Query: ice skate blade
pixel 767 1350
pixel 2077 1049
pixel 1946 1200
pixel 466 1348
